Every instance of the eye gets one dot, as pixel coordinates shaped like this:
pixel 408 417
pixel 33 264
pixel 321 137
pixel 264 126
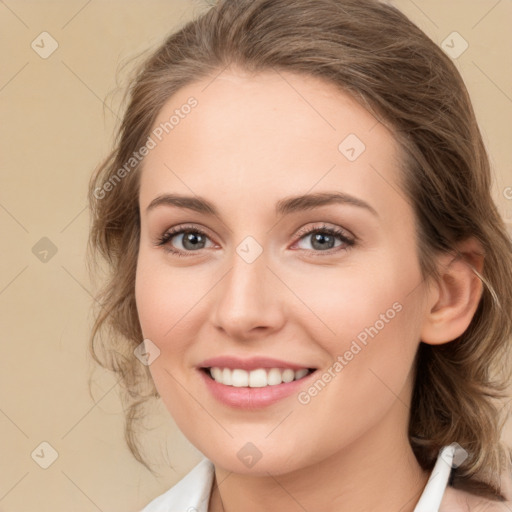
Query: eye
pixel 193 239
pixel 323 239
pixel 190 238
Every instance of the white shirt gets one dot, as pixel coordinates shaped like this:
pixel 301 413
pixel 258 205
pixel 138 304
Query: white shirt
pixel 192 492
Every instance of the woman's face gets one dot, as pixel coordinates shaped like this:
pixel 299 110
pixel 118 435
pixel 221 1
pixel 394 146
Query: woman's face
pixel 257 280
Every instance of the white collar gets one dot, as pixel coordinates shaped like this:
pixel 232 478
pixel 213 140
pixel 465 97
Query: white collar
pixel 433 493
pixel 192 492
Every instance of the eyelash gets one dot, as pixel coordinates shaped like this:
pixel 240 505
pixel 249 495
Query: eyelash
pixel 163 241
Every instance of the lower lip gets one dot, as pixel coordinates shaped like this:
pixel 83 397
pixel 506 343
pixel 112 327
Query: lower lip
pixel 252 398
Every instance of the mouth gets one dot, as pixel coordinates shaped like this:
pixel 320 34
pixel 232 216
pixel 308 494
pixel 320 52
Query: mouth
pixel 257 378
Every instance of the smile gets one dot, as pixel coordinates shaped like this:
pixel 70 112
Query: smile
pixel 254 389
pixel 258 378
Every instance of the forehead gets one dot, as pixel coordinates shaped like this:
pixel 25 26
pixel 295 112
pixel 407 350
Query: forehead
pixel 277 132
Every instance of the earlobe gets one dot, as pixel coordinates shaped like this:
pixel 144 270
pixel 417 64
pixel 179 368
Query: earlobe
pixel 454 298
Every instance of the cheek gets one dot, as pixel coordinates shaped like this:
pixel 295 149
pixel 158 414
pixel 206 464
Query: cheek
pixel 165 296
pixel 371 358
pixel 369 321
pixel 378 326
pixel 153 303
pixel 159 309
pixel 339 304
pixel 165 299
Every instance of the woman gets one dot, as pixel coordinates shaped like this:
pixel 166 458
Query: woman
pixel 307 265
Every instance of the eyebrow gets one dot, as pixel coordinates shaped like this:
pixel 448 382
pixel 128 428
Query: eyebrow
pixel 283 207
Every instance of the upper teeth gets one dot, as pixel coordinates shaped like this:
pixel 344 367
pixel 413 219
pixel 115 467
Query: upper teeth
pixel 256 378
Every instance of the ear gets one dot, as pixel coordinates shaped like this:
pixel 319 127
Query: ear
pixel 454 298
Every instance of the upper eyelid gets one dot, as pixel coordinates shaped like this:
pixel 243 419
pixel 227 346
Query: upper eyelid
pixel 326 227
pixel 179 229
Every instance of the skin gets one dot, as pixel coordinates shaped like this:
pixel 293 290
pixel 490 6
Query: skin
pixel 251 141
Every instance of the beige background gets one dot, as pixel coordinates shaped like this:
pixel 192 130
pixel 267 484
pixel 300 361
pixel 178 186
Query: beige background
pixel 54 131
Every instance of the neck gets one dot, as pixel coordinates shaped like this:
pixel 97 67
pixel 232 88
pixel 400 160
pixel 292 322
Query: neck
pixel 378 472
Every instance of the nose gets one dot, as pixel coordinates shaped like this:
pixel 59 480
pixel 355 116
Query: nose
pixel 248 301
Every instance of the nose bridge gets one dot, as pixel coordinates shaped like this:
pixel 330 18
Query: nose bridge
pixel 246 296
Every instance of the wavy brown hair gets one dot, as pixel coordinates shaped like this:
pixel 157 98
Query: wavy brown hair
pixel 371 51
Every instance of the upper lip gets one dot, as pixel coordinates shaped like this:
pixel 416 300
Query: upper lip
pixel 252 363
